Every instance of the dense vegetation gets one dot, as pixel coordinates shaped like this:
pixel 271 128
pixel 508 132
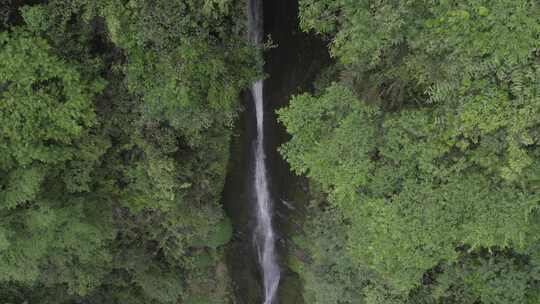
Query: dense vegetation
pixel 420 144
pixel 115 120
pixel 422 148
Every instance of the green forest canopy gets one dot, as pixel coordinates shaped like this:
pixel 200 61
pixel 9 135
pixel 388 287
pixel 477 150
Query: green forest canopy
pixel 425 138
pixel 115 121
pixel 420 144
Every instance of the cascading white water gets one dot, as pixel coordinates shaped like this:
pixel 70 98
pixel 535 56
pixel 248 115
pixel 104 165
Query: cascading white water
pixel 264 235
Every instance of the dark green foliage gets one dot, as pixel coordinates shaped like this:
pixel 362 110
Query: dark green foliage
pixel 498 279
pixel 115 119
pixel 180 54
pixel 328 274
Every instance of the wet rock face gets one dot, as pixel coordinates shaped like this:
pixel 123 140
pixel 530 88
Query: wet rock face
pixel 291 66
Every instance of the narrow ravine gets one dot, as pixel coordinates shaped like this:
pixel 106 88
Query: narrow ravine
pixel 264 235
pixel 259 181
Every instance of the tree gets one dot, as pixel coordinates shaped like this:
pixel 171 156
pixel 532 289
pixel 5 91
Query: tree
pixel 116 119
pixel 428 145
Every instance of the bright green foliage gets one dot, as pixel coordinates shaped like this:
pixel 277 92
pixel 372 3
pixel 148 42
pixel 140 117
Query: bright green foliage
pixel 64 236
pixel 320 126
pixel 50 237
pixel 44 101
pixel 428 147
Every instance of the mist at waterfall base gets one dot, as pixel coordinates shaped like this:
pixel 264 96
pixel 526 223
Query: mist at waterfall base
pixel 264 235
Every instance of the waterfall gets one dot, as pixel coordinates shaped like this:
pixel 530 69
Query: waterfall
pixel 264 235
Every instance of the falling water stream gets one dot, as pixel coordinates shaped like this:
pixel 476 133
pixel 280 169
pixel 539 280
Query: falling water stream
pixel 264 235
